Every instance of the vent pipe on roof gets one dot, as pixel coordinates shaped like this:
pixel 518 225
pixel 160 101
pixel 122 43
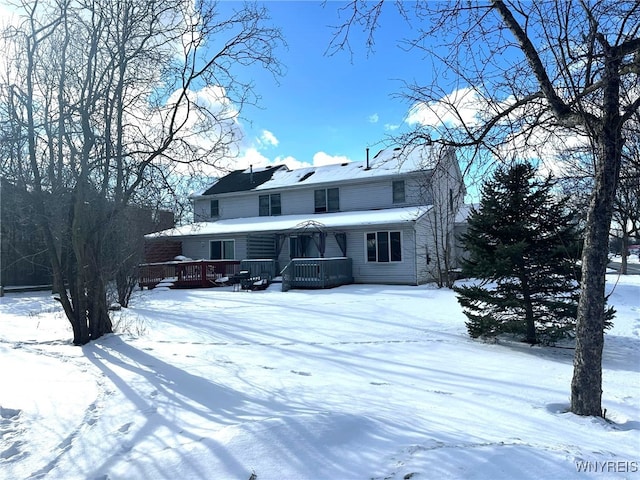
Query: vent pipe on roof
pixel 250 173
pixel 368 167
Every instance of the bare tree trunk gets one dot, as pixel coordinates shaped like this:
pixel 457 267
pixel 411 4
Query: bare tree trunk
pixel 624 251
pixel 586 385
pixel 79 294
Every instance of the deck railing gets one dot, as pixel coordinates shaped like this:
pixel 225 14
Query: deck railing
pixel 317 273
pixel 299 272
pixel 186 274
pixel 262 267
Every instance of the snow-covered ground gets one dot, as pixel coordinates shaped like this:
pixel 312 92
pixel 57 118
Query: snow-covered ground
pixel 633 258
pixel 357 382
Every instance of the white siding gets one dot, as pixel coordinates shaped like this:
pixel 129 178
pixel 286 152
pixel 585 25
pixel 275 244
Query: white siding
pixel 366 196
pixel 236 206
pixel 353 197
pixel 296 201
pixel 241 206
pixel 357 196
pixel 402 273
pixel 198 248
pixel 424 250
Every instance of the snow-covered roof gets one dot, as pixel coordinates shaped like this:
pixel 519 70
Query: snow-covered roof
pixel 290 222
pixel 386 162
pixel 391 161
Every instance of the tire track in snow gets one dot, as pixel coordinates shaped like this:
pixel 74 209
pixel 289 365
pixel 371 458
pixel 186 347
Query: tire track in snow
pixel 289 344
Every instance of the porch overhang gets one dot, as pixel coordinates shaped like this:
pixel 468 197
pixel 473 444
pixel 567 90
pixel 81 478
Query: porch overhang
pixel 330 222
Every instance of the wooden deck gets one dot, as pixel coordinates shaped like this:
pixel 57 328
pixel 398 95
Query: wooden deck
pixel 317 273
pixel 264 268
pixel 299 273
pixel 186 274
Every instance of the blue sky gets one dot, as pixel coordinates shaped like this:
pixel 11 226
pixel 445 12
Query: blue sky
pixel 330 106
pixel 326 108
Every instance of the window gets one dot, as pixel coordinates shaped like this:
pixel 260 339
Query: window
pixel 275 204
pixel 327 200
pixel 223 250
pixel 398 191
pixel 269 205
pixel 214 209
pixel 384 247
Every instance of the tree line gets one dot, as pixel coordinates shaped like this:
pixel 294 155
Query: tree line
pixel 102 104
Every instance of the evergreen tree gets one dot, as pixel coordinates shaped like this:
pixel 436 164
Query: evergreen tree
pixel 523 245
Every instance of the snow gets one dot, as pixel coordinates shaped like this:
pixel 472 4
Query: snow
pixel 386 162
pixel 390 161
pixel 290 222
pixel 356 382
pixel 632 258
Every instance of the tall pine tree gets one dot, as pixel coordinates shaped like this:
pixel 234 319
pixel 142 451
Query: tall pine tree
pixel 523 246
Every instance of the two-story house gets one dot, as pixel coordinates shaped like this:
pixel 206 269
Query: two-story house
pixel 392 215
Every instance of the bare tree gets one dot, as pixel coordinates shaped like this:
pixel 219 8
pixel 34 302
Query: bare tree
pixel 97 96
pixel 626 209
pixel 578 166
pixel 537 70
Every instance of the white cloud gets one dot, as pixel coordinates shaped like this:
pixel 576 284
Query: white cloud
pixel 322 158
pixel 250 156
pixel 253 157
pixel 546 145
pixel 466 107
pixel 461 107
pixel 212 124
pixel 390 127
pixel 269 139
pixel 374 118
pixel 290 162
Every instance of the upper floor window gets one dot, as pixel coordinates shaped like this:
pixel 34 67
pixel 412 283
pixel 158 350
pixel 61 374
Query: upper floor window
pixel 223 249
pixel 214 209
pixel 269 205
pixel 384 247
pixel 398 192
pixel 327 200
